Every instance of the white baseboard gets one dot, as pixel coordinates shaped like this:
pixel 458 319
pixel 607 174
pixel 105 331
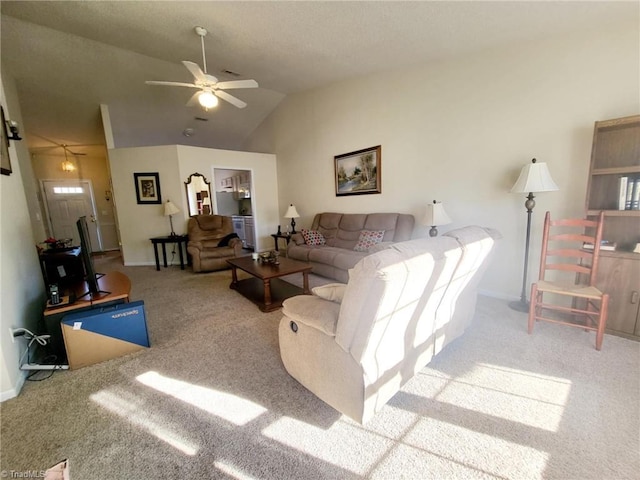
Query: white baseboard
pixel 15 391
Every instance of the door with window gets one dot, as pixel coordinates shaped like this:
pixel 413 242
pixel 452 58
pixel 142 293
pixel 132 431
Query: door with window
pixel 66 201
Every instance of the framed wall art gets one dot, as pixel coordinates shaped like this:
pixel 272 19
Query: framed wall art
pixel 5 160
pixel 359 173
pixel 147 188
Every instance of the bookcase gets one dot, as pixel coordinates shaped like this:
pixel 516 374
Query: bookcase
pixel 616 154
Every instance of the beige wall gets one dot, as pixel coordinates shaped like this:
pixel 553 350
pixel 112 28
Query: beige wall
pixel 174 164
pixel 264 186
pixel 48 166
pixel 459 131
pixel 21 286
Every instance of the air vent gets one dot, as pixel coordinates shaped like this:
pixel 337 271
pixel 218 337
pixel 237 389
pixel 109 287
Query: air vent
pixel 201 119
pixel 229 72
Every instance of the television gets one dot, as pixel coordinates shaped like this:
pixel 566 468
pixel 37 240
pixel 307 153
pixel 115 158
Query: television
pixel 91 276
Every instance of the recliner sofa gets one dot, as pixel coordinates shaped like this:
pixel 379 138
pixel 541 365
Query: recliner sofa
pixel 355 345
pixel 206 234
pixel 341 233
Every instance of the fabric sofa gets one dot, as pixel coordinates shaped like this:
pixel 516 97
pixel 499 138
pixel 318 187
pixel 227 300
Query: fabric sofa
pixel 210 243
pixel 355 345
pixel 342 233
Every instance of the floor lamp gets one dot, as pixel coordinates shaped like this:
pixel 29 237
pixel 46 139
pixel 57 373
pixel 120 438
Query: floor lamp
pixel 534 178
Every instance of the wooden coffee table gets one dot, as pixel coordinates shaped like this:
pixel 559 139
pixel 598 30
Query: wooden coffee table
pixel 265 289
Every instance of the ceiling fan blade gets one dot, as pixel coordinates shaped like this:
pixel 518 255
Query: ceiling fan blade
pixel 237 84
pixel 196 71
pixel 230 98
pixel 171 84
pixel 193 101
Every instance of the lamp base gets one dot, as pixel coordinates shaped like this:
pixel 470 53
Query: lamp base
pixel 433 232
pixel 519 306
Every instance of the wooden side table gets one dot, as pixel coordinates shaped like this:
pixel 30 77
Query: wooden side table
pixel 177 239
pixel 276 236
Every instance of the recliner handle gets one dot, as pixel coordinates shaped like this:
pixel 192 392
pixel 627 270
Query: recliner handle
pixel 294 326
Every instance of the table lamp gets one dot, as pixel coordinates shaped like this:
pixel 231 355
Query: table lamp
pixel 292 213
pixel 169 210
pixel 435 216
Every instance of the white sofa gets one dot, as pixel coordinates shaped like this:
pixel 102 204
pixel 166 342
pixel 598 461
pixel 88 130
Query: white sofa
pixel 355 345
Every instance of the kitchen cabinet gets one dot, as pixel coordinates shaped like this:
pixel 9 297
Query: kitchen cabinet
pixel 249 232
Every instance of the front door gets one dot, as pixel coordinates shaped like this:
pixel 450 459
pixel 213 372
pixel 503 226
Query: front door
pixel 66 201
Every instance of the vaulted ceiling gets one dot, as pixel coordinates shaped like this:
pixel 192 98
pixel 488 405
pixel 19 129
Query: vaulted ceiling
pixel 67 58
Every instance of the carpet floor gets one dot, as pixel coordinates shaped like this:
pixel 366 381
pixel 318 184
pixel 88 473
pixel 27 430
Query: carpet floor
pixel 211 399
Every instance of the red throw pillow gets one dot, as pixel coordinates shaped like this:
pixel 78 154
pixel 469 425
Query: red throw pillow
pixel 312 237
pixel 368 238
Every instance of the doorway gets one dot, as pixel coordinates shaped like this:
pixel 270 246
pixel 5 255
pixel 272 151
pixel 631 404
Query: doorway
pixel 65 201
pixel 232 196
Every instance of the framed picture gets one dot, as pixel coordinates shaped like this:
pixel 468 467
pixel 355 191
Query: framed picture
pixel 358 173
pixel 147 188
pixel 5 161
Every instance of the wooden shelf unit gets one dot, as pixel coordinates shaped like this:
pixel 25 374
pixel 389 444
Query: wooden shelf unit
pixel 616 153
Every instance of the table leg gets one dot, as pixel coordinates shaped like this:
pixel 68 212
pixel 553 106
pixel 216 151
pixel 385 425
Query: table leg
pixel 275 240
pixel 267 293
pixel 164 254
pixel 234 277
pixel 305 283
pixel 155 251
pixel 181 257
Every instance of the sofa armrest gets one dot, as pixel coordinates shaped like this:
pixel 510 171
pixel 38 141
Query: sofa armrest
pixel 380 246
pixel 314 312
pixel 196 245
pixel 297 238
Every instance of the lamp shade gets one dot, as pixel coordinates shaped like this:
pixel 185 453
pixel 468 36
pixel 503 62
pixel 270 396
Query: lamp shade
pixel 170 208
pixel 435 215
pixel 206 201
pixel 291 212
pixel 534 177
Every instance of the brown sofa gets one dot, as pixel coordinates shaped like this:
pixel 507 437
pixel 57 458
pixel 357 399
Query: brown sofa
pixel 205 234
pixel 342 232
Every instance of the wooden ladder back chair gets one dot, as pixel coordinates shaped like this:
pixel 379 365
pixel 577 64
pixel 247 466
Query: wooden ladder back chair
pixel 563 252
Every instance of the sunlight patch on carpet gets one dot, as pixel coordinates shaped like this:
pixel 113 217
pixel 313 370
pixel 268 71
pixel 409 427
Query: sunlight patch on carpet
pixel 338 445
pixel 232 471
pixel 527 398
pixel 492 452
pixel 136 414
pixel 227 406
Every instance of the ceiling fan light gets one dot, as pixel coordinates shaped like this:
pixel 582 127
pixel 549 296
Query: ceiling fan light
pixel 208 100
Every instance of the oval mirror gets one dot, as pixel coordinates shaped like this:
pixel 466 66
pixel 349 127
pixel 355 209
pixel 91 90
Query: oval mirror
pixel 198 195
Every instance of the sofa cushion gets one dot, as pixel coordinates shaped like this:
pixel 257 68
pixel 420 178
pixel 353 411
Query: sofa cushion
pixel 331 291
pixel 312 237
pixel 368 238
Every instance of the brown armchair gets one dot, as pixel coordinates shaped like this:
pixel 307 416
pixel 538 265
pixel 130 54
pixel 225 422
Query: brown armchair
pixel 206 232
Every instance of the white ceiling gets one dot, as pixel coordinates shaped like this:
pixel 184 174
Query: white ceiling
pixel 67 58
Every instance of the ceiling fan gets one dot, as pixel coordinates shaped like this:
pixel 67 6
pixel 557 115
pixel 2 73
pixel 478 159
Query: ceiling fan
pixel 210 88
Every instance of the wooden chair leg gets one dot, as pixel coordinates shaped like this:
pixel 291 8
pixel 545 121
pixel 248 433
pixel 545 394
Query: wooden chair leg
pixel 604 308
pixel 533 301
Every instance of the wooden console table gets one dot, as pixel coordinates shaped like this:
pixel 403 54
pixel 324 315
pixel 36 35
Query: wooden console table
pixel 117 284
